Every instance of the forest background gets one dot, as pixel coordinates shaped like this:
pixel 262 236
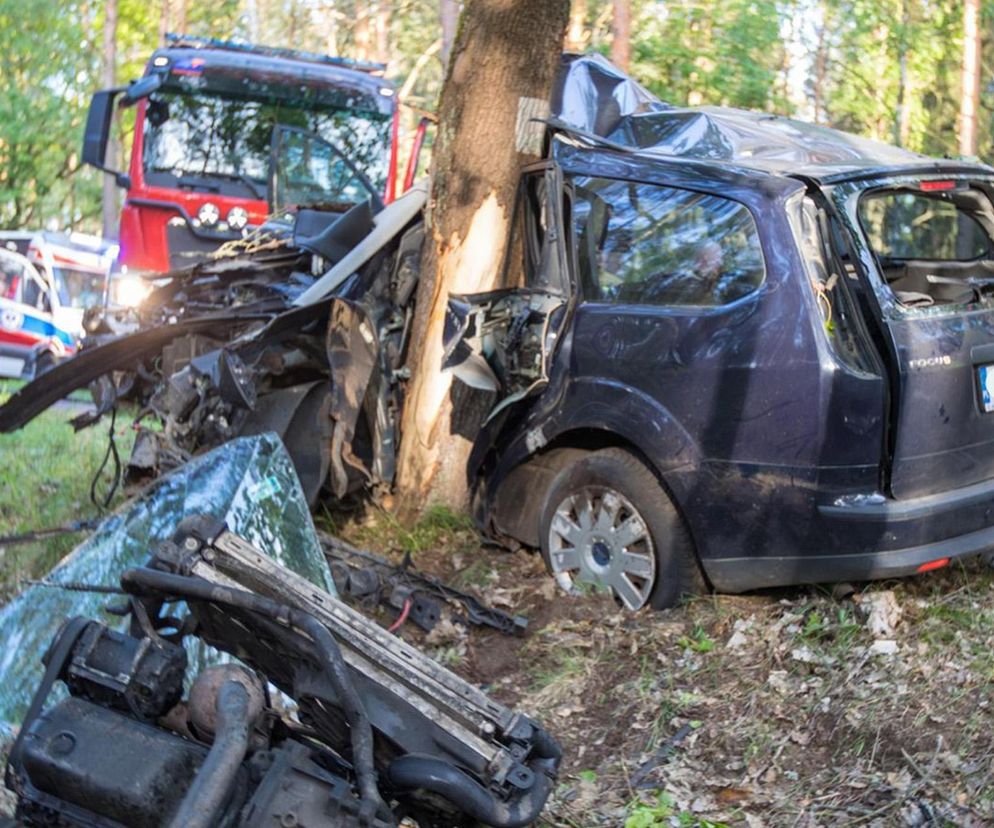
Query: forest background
pixel 892 70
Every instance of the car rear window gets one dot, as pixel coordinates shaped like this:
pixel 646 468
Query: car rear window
pixel 652 245
pixel 909 225
pixel 933 247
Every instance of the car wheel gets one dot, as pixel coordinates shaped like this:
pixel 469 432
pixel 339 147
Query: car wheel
pixel 608 522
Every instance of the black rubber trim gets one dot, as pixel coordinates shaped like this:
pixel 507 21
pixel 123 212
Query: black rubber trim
pixel 742 574
pixel 899 511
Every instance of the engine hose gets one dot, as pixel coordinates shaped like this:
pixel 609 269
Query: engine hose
pixel 144 580
pixel 427 773
pixel 212 784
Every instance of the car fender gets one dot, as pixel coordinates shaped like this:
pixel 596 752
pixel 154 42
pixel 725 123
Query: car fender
pixel 586 411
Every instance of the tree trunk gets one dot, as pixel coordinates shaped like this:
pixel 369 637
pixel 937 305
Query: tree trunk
pixel 902 114
pixel 363 32
pixel 971 78
pixel 621 30
pixel 108 78
pixel 383 31
pixel 163 22
pixel 448 11
pixel 331 29
pixel 484 137
pixel 252 17
pixel 821 72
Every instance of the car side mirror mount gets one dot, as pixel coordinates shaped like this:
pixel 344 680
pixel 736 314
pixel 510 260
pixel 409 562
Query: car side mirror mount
pixel 142 88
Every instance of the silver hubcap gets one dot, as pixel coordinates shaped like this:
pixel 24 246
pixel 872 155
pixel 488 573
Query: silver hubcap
pixel 598 537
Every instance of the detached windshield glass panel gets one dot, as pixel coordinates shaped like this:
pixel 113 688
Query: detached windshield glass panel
pixel 933 248
pixel 222 143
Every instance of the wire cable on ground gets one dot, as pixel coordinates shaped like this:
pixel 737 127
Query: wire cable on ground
pixel 103 503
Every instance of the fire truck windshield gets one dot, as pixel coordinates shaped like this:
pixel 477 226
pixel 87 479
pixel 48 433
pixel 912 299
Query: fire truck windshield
pixel 221 143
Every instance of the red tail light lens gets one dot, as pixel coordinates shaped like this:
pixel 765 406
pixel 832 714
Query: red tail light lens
pixel 933 186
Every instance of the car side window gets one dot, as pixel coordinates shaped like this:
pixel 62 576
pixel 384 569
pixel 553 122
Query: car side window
pixel 651 245
pixel 528 252
pixel 11 278
pixel 32 293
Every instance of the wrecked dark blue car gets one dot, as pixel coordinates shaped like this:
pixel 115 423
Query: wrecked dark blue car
pixel 740 347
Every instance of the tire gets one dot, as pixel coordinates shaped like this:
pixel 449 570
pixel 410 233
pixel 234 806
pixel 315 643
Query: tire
pixel 607 521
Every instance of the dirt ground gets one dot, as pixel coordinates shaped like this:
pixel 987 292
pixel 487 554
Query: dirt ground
pixel 796 707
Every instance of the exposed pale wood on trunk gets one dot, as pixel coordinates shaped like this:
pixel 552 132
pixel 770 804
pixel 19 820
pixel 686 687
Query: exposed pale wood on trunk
pixel 475 170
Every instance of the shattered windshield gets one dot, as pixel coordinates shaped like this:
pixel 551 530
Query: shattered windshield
pixel 213 136
pixel 250 483
pixel 933 245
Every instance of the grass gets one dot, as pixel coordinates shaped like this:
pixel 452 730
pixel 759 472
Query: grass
pixel 662 812
pixel 838 737
pixel 698 641
pixel 45 475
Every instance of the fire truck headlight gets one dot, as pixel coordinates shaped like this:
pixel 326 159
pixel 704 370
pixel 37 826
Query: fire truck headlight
pixel 131 291
pixel 237 218
pixel 208 214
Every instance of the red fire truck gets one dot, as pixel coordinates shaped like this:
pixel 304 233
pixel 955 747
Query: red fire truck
pixel 227 135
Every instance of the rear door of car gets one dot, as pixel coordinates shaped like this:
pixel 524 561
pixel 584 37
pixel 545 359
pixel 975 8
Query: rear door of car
pixel 928 247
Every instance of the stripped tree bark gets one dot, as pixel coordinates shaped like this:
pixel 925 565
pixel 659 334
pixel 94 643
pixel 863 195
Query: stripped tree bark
pixel 502 67
pixel 971 78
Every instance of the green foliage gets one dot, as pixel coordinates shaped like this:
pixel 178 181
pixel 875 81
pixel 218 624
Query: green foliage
pixel 866 91
pixel 663 813
pixel 48 57
pixel 699 52
pixel 698 641
pixel 45 482
pixel 886 69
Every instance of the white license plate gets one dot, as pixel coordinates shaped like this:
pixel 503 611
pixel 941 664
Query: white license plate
pixel 11 366
pixel 985 376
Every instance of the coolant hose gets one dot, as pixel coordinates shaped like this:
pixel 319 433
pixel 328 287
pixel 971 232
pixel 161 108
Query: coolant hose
pixel 213 782
pixel 414 771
